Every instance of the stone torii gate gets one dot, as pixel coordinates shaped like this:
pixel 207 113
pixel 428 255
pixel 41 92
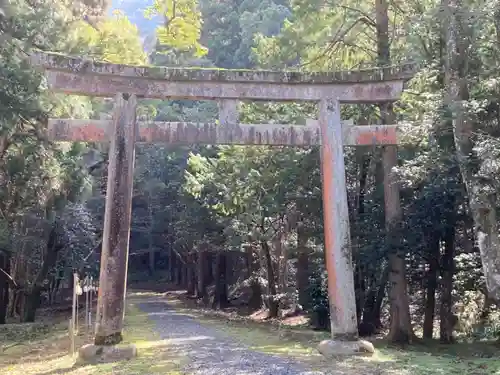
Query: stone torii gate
pixel 127 83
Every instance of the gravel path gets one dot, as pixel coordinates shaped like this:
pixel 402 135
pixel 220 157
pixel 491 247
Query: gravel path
pixel 210 352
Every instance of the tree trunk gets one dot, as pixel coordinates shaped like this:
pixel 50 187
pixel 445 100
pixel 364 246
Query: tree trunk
pixel 371 321
pixel 430 298
pixel 248 260
pixel 32 302
pixel 446 315
pixel 486 310
pixel 377 311
pixel 220 297
pixel 210 271
pixel 151 261
pixel 481 191
pixel 32 299
pixel 184 275
pixel 253 262
pixel 360 286
pixel 57 285
pixel 191 274
pixel 150 236
pixel 20 303
pixel 51 287
pixel 18 268
pixel 4 285
pixel 201 267
pixel 273 303
pixel 13 303
pixel 175 268
pixel 302 266
pixel 281 260
pixel 401 330
pixel 468 239
pixel 172 265
pixel 179 270
pixel 366 326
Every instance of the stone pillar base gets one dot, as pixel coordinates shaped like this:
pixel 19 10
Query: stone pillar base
pixel 336 348
pixel 113 339
pixel 91 353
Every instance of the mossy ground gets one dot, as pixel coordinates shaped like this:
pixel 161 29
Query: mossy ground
pixel 46 351
pixel 42 348
pixel 424 358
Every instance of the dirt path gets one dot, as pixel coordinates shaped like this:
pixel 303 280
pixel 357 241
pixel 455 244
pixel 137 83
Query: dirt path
pixel 210 352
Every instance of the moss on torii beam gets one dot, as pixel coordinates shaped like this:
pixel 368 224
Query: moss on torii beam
pixel 55 61
pixel 88 77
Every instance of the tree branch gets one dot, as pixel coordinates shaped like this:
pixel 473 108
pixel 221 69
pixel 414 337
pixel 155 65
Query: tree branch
pixel 9 278
pixel 368 18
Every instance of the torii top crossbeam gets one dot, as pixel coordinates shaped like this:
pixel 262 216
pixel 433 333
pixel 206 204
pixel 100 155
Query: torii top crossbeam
pixel 88 77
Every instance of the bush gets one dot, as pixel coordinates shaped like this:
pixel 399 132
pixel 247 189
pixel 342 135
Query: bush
pixel 319 310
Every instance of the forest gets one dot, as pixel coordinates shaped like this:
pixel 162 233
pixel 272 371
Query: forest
pixel 237 225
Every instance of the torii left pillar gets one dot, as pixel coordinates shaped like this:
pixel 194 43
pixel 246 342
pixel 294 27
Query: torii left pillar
pixel 115 243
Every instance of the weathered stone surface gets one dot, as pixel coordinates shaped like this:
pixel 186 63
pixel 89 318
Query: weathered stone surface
pixel 54 61
pixel 338 257
pixel 211 133
pixel 95 353
pixel 107 85
pixel 117 216
pixel 88 77
pixel 335 348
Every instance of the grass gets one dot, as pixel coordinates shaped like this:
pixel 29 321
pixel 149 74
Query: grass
pixel 42 348
pixel 45 352
pixel 478 358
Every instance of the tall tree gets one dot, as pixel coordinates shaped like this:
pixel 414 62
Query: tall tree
pixel 480 186
pixel 401 329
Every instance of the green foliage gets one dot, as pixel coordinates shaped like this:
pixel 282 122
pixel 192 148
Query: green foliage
pixel 327 36
pixel 230 27
pixel 114 40
pixel 182 25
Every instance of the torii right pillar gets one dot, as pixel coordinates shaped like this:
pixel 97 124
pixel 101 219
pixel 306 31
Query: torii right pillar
pixel 336 224
pixel 338 252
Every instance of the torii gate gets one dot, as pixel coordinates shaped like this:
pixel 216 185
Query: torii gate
pixel 127 83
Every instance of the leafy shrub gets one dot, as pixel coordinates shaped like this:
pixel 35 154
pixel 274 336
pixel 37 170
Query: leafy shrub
pixel 319 310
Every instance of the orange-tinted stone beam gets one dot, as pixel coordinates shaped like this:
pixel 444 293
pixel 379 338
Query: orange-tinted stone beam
pixel 226 133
